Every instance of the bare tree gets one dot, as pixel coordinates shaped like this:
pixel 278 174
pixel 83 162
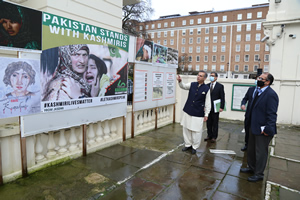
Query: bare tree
pixel 183 60
pixel 135 13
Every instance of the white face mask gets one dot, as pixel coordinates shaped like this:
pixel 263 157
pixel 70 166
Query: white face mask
pixel 211 78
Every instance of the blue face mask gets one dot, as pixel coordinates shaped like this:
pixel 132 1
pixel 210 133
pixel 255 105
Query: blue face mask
pixel 255 82
pixel 211 78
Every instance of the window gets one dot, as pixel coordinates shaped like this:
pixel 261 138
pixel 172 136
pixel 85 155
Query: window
pixel 267 48
pixel 191 21
pixel 207 30
pixel 237 58
pixel 147 26
pixel 190 49
pixel 198 40
pixel 166 24
pixel 158 34
pixel 190 58
pixel 197 67
pixel 190 67
pixel 237 48
pixel 215 48
pixel 224 18
pixel 182 67
pixel 172 42
pixel 246 68
pixel 258 26
pixel 215 29
pixel 238 28
pixel 266 68
pixel 236 68
pixel 223 29
pixel 205 58
pixel 152 26
pixel 141 28
pixel 165 42
pixel 199 31
pixel 182 58
pixel 199 21
pixel 207 20
pixel 248 27
pixel 223 38
pixel 238 38
pixel 245 76
pixel 267 57
pixel 206 49
pixel 222 68
pixel 206 40
pixel 205 67
pixel 215 39
pixel 247 47
pixel 256 57
pixel 259 14
pixel 257 37
pixel 165 33
pixel 246 58
pixel 257 47
pixel 198 49
pixel 197 58
pixel 223 48
pixel 182 50
pixel 183 32
pixel 183 41
pixel 249 15
pixel 255 67
pixel 216 19
pixel 222 58
pixel 239 17
pixel 191 31
pixel 214 58
pixel 158 41
pixel 191 41
pixel 213 68
pixel 152 35
pixel 158 25
pixel 172 33
pixel 172 24
pixel 248 37
pixel 183 22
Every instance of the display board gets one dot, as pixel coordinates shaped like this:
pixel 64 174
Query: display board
pixel 238 93
pixel 154 86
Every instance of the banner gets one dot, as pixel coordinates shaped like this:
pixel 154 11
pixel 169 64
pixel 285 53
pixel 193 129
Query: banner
pixel 172 57
pixel 159 54
pixel 20 27
pixel 143 50
pixel 83 75
pixel 19 87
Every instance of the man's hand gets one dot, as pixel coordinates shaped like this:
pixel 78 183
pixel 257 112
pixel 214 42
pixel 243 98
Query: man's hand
pixel 243 107
pixel 264 134
pixel 221 110
pixel 205 119
pixel 178 78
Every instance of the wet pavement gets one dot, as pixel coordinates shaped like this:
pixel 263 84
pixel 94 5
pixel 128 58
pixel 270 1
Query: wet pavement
pixel 152 166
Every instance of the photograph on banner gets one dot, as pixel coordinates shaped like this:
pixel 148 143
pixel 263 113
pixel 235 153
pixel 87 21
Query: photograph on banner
pixel 19 87
pixel 158 84
pixel 170 84
pixel 140 86
pixel 172 58
pixel 143 50
pixel 159 54
pixel 83 75
pixel 20 27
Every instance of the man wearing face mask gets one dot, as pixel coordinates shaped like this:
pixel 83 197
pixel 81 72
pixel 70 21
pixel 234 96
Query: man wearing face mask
pixel 216 92
pixel 247 98
pixel 262 126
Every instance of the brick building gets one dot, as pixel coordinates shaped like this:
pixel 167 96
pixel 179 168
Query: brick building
pixel 228 42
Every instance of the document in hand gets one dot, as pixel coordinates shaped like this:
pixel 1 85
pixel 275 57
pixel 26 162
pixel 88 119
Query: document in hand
pixel 217 104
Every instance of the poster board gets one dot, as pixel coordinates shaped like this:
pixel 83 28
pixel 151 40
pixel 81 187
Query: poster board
pixel 238 93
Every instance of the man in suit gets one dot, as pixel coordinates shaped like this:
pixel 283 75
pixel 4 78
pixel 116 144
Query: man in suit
pixel 262 126
pixel 247 98
pixel 216 92
pixel 196 111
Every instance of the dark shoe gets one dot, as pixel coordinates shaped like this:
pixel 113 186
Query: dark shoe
pixel 186 148
pixel 246 170
pixel 244 148
pixel 206 139
pixel 255 178
pixel 213 140
pixel 194 151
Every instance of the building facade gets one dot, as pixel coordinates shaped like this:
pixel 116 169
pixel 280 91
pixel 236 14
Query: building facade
pixel 229 42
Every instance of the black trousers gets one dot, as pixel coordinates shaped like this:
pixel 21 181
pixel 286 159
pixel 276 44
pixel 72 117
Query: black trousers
pixel 212 125
pixel 258 152
pixel 246 126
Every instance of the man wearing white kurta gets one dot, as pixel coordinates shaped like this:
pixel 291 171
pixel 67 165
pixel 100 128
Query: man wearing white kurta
pixel 196 110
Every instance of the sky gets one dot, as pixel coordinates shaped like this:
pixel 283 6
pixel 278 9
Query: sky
pixel 183 7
